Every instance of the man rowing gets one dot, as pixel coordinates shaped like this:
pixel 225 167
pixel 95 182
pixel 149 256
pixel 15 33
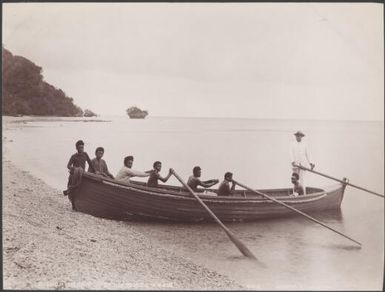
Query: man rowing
pixel 155 175
pixel 224 188
pixel 126 172
pixel 194 180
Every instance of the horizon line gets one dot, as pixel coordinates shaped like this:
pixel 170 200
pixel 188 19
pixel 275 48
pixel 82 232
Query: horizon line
pixel 200 117
pixel 249 118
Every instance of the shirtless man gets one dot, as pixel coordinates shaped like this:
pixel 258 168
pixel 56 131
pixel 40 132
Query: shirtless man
pixel 99 164
pixel 155 175
pixel 224 188
pixel 297 188
pixel 194 180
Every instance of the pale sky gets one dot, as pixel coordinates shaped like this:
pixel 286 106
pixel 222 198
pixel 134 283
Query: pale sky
pixel 250 60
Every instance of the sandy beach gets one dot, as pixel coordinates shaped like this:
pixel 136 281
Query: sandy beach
pixel 47 245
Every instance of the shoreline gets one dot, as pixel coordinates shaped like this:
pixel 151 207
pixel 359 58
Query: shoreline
pixel 28 118
pixel 47 245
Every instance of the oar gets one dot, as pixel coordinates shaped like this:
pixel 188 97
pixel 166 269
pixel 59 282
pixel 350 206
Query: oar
pixel 244 250
pixel 295 210
pixel 341 181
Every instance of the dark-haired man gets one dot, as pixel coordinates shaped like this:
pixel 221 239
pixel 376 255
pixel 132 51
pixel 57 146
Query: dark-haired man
pixel 224 188
pixel 80 158
pixel 194 180
pixel 76 166
pixel 126 172
pixel 99 164
pixel 155 175
pixel 297 188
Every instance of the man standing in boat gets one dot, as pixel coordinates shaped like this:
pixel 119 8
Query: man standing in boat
pixel 126 172
pixel 300 156
pixel 99 164
pixel 194 180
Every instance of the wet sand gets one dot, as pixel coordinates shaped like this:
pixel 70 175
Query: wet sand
pixel 47 245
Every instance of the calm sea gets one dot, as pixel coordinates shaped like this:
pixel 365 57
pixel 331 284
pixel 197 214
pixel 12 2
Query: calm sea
pixel 297 254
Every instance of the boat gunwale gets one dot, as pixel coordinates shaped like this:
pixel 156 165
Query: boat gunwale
pixel 210 198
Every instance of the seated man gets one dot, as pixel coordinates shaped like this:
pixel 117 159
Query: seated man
pixel 80 158
pixel 194 181
pixel 155 175
pixel 224 188
pixel 298 189
pixel 76 166
pixel 125 173
pixel 99 164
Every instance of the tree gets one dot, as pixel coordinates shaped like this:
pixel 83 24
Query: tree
pixel 25 92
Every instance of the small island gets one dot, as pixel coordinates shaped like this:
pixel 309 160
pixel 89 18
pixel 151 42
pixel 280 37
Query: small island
pixel 136 113
pixel 88 113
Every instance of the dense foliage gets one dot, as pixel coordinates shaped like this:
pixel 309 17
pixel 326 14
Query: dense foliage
pixel 25 92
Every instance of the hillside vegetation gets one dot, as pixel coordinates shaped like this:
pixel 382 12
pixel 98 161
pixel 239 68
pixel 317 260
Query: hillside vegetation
pixel 25 92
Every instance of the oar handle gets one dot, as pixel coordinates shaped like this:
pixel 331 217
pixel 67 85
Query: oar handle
pixel 242 248
pixel 198 199
pixel 295 210
pixel 341 181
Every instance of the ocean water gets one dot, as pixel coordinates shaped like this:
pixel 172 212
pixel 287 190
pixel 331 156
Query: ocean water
pixel 293 253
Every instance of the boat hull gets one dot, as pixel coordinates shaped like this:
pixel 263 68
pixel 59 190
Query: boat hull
pixel 108 198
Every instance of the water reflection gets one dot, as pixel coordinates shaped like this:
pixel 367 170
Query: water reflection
pixel 341 246
pixel 331 216
pixel 240 259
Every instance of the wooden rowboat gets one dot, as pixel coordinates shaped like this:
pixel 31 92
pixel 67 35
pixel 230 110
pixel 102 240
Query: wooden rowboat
pixel 108 198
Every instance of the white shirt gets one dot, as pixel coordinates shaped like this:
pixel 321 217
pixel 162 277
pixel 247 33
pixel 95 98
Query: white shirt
pixel 299 153
pixel 126 173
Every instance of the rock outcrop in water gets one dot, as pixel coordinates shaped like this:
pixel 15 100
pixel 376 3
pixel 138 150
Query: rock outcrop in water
pixel 89 113
pixel 26 93
pixel 136 113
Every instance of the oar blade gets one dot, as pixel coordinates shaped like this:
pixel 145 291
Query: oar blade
pixel 296 211
pixel 242 248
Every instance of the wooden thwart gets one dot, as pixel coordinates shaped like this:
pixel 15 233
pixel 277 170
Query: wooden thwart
pixel 295 210
pixel 341 181
pixel 243 249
